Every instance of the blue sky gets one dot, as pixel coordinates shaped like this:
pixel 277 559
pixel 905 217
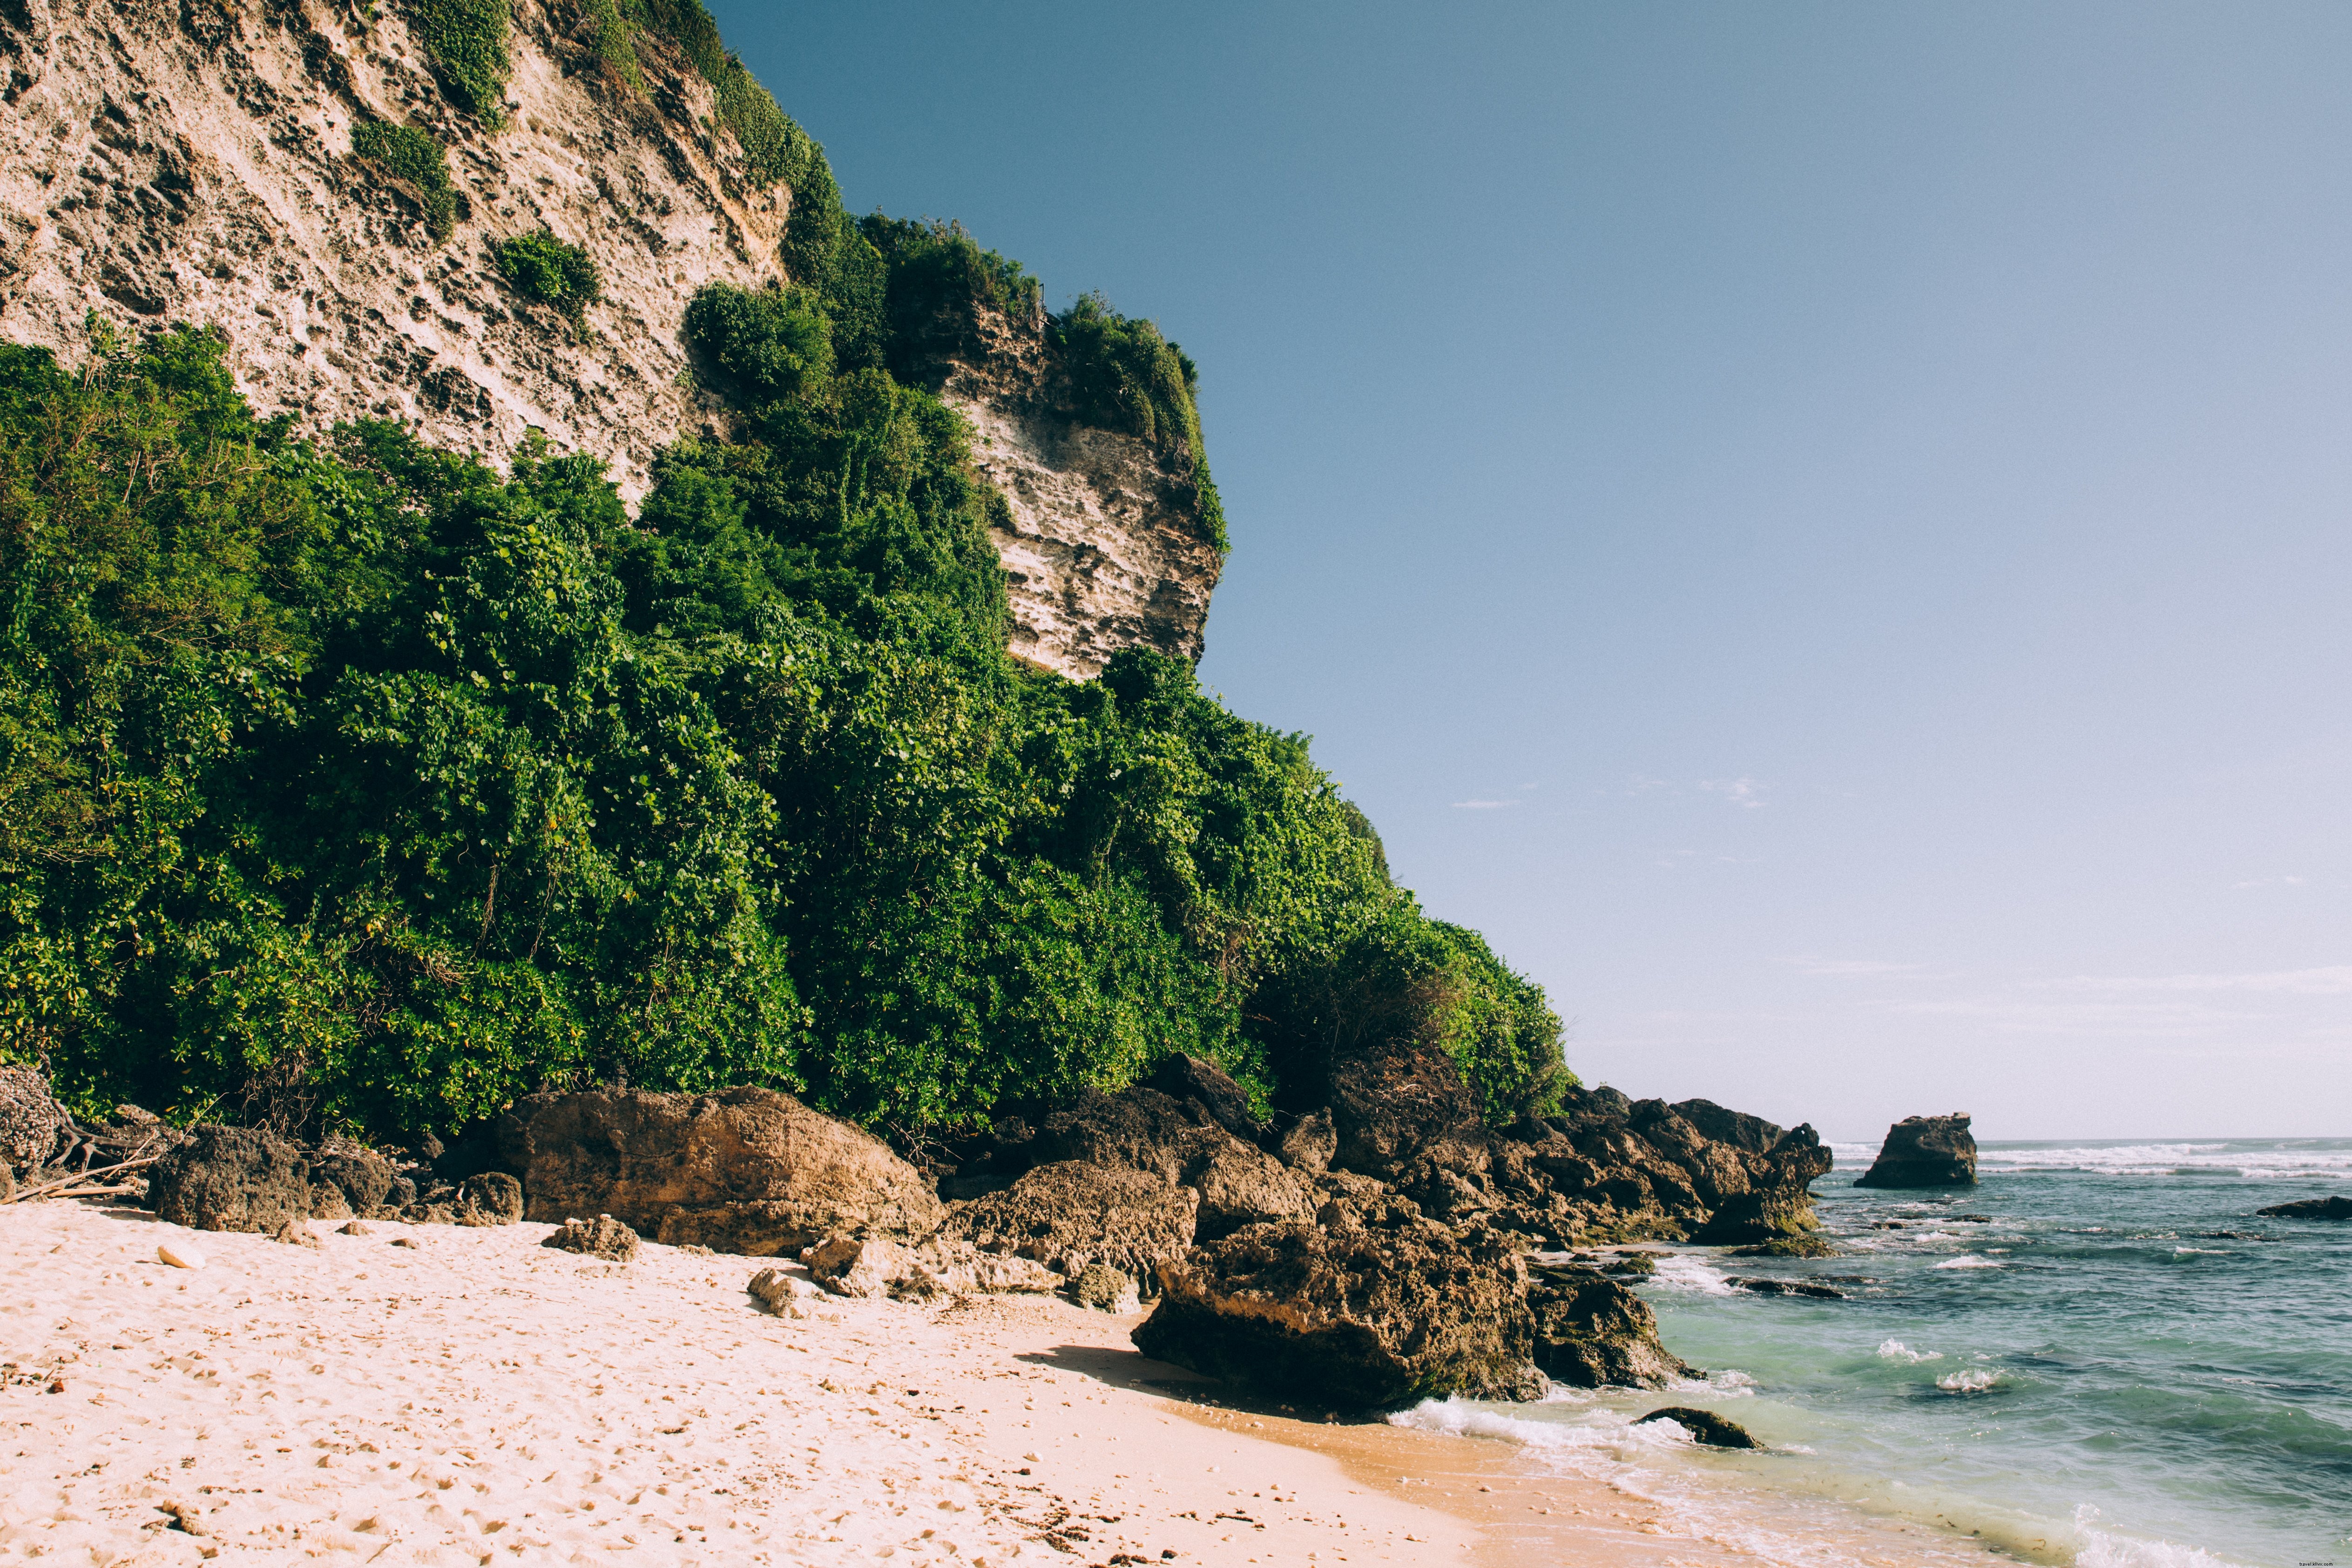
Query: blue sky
pixel 1820 529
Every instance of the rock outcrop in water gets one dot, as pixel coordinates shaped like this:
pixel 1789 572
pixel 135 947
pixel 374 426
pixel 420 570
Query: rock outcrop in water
pixel 1924 1152
pixel 2334 1206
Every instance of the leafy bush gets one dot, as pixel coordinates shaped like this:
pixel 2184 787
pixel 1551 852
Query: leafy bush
pixel 617 44
pixel 1126 376
pixel 543 268
pixel 413 156
pixel 468 42
pixel 770 343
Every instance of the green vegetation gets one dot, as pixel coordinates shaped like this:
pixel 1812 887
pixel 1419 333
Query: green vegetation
pixel 543 268
pixel 353 782
pixel 1127 377
pixel 616 43
pixel 468 41
pixel 349 782
pixel 415 157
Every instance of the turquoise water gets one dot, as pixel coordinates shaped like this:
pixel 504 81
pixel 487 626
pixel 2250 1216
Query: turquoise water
pixel 2118 1366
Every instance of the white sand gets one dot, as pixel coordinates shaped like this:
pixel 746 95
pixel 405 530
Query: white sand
pixel 480 1398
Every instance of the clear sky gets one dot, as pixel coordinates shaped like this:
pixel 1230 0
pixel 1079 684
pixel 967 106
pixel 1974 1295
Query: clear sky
pixel 1820 529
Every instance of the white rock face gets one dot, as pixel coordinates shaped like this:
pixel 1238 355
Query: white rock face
pixel 166 161
pixel 191 162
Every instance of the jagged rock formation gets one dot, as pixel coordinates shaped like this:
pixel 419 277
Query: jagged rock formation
pixel 194 163
pixel 1924 1152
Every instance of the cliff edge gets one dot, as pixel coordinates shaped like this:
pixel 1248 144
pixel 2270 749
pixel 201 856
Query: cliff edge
pixel 197 163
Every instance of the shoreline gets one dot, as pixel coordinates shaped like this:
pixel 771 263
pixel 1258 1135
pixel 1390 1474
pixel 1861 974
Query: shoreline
pixel 475 1397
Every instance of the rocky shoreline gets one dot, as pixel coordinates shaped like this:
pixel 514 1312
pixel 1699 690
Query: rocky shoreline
pixel 1371 1250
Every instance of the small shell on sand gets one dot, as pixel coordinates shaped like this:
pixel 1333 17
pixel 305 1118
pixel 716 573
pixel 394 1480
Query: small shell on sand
pixel 180 1255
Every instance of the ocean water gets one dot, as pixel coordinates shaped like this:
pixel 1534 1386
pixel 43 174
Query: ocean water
pixel 2113 1364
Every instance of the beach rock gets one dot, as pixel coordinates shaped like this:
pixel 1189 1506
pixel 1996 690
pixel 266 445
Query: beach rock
pixel 408 1241
pixel 1192 1079
pixel 355 1228
pixel 869 1266
pixel 1358 1317
pixel 1787 1287
pixel 1399 1103
pixel 1104 1290
pixel 1924 1152
pixel 1310 1143
pixel 361 1179
pixel 33 1128
pixel 603 1236
pixel 1788 1247
pixel 1140 1128
pixel 294 1233
pixel 1593 1332
pixel 492 1197
pixel 1736 1128
pixel 1072 1213
pixel 1704 1426
pixel 7 1186
pixel 746 1170
pixel 231 1178
pixel 2334 1206
pixel 777 1291
pixel 1240 1185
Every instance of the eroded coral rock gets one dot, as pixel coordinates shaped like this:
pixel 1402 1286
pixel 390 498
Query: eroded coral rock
pixel 1072 1213
pixel 1354 1317
pixel 749 1171
pixel 231 1178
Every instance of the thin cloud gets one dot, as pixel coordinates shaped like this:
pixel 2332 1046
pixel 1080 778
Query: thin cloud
pixel 1743 790
pixel 2271 882
pixel 1484 805
pixel 2333 981
pixel 1863 968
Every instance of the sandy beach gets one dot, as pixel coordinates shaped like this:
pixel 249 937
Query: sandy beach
pixel 476 1397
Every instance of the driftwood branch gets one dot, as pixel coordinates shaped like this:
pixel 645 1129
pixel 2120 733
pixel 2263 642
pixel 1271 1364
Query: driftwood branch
pixel 83 1178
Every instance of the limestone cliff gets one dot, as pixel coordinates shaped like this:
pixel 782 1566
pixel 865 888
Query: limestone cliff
pixel 193 162
pixel 1107 547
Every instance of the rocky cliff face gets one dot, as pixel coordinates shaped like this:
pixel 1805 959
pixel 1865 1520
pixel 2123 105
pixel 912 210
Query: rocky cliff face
pixel 1107 547
pixel 193 162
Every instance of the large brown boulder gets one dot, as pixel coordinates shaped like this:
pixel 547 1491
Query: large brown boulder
pixel 1072 1213
pixel 1352 1316
pixel 231 1178
pixel 1595 1333
pixel 1924 1152
pixel 33 1126
pixel 1396 1103
pixel 747 1170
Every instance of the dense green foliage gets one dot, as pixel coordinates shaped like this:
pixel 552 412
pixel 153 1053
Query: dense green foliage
pixel 547 269
pixel 413 156
pixel 356 781
pixel 469 41
pixel 1127 377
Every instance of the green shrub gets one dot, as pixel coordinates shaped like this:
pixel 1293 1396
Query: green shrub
pixel 616 45
pixel 1126 376
pixel 543 268
pixel 468 41
pixel 413 156
pixel 769 343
